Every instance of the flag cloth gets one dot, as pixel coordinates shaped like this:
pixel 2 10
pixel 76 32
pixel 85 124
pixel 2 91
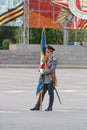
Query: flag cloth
pixel 40 86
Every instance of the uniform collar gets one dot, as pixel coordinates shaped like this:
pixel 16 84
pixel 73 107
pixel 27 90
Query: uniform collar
pixel 50 57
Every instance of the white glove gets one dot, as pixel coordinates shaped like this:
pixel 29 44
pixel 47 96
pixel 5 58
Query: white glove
pixel 41 71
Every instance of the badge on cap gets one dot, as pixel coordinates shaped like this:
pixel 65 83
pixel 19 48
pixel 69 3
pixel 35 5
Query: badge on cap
pixel 50 48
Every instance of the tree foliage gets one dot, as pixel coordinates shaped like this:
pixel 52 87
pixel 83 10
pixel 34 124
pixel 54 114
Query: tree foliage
pixel 53 36
pixel 77 35
pixel 35 35
pixel 10 33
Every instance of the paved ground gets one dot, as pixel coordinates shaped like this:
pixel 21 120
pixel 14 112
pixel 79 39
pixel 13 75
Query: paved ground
pixel 17 96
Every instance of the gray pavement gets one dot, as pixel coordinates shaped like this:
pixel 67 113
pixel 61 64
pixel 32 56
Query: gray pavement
pixel 17 96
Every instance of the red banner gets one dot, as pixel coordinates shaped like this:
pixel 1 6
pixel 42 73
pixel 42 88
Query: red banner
pixel 42 13
pixel 57 14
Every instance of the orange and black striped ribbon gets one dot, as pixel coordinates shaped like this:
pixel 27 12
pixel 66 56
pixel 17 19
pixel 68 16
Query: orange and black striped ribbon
pixel 11 14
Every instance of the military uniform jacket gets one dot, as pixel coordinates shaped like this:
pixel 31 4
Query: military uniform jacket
pixel 52 65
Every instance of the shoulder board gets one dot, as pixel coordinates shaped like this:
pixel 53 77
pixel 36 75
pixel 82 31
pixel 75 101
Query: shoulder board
pixel 54 58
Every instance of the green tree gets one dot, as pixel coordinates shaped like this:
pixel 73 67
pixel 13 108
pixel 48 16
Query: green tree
pixel 53 36
pixel 77 36
pixel 10 33
pixel 35 35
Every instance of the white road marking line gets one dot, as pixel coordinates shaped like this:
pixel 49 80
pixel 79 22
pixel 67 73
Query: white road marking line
pixel 14 91
pixel 19 111
pixel 83 82
pixel 68 91
pixel 8 112
pixel 27 91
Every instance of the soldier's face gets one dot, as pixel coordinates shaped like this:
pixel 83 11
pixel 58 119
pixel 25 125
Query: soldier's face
pixel 49 53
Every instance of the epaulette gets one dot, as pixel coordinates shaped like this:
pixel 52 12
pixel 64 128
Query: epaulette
pixel 54 58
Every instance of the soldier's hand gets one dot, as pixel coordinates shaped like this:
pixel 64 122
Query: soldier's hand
pixel 41 71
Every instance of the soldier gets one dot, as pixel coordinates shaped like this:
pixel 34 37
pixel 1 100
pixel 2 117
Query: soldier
pixel 49 78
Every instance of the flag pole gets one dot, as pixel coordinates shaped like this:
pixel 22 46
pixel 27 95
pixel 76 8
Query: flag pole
pixel 41 92
pixel 42 59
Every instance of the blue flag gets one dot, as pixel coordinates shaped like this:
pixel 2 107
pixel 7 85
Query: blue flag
pixel 40 86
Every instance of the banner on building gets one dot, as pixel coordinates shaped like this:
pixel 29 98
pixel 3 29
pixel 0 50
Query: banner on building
pixel 71 14
pixel 11 12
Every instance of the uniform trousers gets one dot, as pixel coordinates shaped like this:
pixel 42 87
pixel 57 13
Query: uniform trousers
pixel 50 89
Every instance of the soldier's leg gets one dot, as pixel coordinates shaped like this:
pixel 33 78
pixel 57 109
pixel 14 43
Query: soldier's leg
pixel 37 106
pixel 51 97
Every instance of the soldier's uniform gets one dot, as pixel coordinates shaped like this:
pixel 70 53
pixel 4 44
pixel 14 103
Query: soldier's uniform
pixel 48 81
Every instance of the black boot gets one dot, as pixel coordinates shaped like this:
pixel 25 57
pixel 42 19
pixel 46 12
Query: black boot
pixel 51 100
pixel 37 106
pixel 49 109
pixel 35 109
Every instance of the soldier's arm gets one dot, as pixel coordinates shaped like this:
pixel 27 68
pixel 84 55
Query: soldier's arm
pixel 53 67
